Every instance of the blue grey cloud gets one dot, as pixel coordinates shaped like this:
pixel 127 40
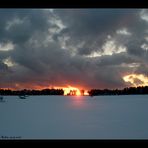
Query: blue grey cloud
pixel 91 48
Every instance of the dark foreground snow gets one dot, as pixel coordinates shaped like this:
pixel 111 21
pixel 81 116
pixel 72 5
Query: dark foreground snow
pixel 59 117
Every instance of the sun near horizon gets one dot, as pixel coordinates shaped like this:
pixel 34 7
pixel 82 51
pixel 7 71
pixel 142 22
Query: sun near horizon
pixel 75 90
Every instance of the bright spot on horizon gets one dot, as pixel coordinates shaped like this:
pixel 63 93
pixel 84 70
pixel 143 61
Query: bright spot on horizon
pixel 136 79
pixel 70 88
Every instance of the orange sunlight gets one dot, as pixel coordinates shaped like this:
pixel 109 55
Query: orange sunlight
pixel 136 79
pixel 69 90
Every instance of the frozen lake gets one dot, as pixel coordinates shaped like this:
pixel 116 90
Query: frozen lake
pixel 67 117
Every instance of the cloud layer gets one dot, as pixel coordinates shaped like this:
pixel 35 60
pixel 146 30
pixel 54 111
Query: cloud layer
pixel 86 48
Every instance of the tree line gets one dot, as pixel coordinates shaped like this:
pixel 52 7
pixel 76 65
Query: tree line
pixel 92 92
pixel 32 92
pixel 125 91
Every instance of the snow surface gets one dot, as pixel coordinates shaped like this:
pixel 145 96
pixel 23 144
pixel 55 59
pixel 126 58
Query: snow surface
pixel 67 117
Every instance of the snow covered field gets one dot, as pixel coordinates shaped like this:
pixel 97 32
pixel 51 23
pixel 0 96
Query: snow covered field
pixel 67 117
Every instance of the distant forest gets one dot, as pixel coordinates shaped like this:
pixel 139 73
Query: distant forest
pixel 125 91
pixel 32 92
pixel 92 92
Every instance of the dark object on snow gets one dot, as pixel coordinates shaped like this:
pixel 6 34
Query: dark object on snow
pixel 1 98
pixel 23 97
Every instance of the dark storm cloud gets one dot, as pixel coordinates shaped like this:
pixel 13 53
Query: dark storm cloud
pixel 93 25
pixel 100 20
pixel 53 47
pixel 116 59
pixel 18 24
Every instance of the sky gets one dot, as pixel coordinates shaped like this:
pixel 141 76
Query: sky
pixel 84 48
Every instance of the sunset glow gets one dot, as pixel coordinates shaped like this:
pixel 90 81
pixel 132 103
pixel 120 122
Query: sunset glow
pixel 67 90
pixel 136 79
pixel 70 88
